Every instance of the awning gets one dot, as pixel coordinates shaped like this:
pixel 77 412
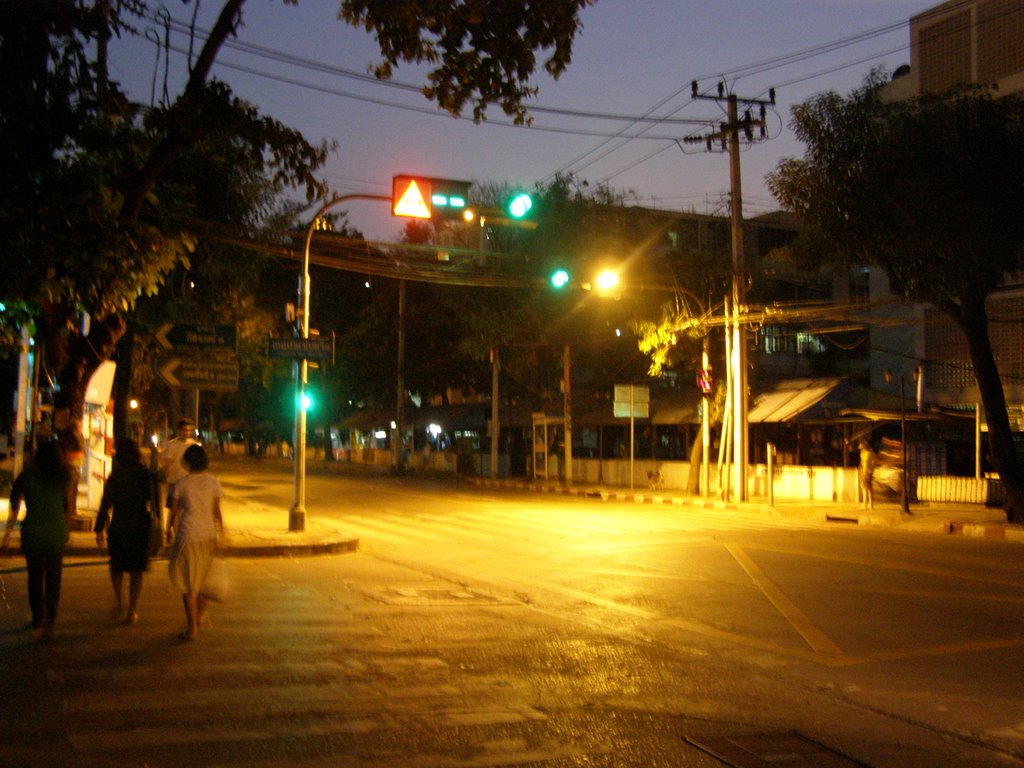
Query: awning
pixel 790 399
pixel 877 415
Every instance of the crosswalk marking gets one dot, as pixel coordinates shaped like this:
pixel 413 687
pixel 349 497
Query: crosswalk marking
pixel 574 524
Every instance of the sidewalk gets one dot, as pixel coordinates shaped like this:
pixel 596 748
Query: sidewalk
pixel 261 530
pixel 927 517
pixel 253 530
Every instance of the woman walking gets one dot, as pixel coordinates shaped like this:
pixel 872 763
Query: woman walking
pixel 45 487
pixel 129 493
pixel 195 522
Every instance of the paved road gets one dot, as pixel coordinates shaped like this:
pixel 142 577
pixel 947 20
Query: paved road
pixel 487 629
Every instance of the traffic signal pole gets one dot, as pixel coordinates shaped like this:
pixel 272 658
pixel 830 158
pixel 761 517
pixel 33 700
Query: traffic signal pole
pixel 567 412
pixel 297 513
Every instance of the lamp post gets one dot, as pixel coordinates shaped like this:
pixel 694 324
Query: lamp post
pixel 297 514
pixel 904 495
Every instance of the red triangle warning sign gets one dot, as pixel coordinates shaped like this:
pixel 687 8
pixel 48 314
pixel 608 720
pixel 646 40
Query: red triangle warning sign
pixel 409 197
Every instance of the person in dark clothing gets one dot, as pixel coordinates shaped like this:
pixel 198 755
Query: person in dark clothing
pixel 45 487
pixel 128 493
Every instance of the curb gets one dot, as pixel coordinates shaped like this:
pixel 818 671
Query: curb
pixel 337 546
pixel 604 494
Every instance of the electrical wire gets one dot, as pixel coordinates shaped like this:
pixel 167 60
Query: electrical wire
pixel 611 141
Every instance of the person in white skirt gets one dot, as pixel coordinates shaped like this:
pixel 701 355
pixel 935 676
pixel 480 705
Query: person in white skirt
pixel 195 522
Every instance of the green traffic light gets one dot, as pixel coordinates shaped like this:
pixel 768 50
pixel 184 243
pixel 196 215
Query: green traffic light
pixel 519 205
pixel 306 401
pixel 560 278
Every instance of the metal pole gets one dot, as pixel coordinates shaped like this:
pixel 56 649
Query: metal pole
pixel 632 433
pixel 297 514
pixel 705 428
pixel 567 429
pixel 398 446
pixel 738 302
pixel 495 426
pixel 904 499
pixel 977 441
pixel 771 475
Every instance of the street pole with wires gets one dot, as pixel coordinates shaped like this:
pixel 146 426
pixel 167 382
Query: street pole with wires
pixel 728 135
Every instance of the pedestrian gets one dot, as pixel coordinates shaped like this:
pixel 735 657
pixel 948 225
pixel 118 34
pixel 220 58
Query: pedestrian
pixel 128 493
pixel 195 522
pixel 866 473
pixel 45 486
pixel 171 463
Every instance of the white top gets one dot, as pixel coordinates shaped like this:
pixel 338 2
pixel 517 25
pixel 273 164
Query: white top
pixel 196 494
pixel 174 467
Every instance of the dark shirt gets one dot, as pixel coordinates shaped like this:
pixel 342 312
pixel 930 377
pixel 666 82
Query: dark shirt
pixel 45 527
pixel 128 491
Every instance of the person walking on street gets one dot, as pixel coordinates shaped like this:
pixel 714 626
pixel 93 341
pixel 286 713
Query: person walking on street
pixel 128 494
pixel 866 471
pixel 45 487
pixel 172 462
pixel 195 522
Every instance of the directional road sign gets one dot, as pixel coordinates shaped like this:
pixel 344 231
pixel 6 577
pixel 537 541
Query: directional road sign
pixel 189 337
pixel 316 348
pixel 188 372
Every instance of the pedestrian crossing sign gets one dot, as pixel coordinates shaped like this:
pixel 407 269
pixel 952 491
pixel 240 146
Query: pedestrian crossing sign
pixel 410 197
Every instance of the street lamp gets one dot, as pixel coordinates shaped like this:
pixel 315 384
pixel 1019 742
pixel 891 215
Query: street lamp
pixel 904 494
pixel 297 514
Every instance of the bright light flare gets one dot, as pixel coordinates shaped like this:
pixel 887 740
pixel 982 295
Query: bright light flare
pixel 607 280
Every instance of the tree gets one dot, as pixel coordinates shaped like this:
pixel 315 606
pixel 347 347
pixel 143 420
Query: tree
pixel 485 54
pixel 930 190
pixel 80 172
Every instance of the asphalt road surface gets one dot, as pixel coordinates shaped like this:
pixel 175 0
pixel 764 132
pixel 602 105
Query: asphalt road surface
pixel 487 628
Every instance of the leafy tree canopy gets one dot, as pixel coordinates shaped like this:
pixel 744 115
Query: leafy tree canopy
pixel 931 191
pixel 81 217
pixel 483 52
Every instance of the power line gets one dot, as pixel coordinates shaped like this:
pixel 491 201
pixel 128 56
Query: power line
pixel 611 141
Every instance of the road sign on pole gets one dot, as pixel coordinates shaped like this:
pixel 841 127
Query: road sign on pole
pixel 189 337
pixel 314 348
pixel 633 401
pixel 219 375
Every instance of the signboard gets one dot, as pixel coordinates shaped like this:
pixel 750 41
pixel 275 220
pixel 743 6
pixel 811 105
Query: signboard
pixel 188 337
pixel 219 375
pixel 631 401
pixel 316 348
pixel 423 197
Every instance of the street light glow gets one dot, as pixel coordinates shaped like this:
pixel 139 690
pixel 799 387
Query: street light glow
pixel 607 279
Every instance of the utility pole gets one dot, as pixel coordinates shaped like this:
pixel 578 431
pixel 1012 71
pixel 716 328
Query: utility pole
pixel 567 413
pixel 398 445
pixel 495 425
pixel 728 134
